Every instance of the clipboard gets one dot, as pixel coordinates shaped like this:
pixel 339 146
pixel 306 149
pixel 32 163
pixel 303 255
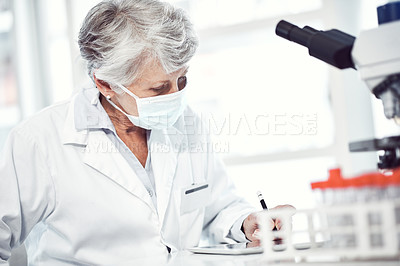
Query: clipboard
pixel 227 249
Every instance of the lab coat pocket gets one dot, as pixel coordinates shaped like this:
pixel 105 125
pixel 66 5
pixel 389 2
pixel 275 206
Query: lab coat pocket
pixel 194 197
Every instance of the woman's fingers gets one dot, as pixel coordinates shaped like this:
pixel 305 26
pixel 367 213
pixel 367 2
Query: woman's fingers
pixel 255 243
pixel 278 224
pixel 284 206
pixel 251 227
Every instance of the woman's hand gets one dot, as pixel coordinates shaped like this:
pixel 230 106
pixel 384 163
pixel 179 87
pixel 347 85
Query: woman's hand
pixel 251 226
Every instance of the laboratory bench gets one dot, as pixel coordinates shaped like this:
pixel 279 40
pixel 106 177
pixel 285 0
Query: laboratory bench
pixel 184 258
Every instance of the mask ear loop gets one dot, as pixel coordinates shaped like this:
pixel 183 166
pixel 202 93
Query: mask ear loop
pixel 122 87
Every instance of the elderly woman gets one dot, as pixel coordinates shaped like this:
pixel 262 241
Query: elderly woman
pixel 109 176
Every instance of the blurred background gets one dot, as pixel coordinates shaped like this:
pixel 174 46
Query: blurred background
pixel 280 118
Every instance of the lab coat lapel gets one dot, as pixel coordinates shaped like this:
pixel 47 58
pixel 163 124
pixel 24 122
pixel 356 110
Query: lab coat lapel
pixel 102 155
pixel 164 147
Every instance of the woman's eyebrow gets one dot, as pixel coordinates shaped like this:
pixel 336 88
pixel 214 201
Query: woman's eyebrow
pixel 162 84
pixel 159 83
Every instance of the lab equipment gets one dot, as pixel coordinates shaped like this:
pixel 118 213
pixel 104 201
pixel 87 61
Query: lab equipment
pixel 375 54
pixel 362 190
pixel 356 218
pixel 390 145
pixel 318 241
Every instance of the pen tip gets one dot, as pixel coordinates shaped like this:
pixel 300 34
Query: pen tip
pixel 259 193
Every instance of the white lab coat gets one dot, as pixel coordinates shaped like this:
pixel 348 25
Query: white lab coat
pixel 75 198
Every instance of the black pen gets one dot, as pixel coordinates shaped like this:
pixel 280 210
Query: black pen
pixel 263 205
pixel 261 198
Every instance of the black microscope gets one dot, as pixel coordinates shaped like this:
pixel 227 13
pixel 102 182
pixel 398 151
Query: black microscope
pixel 375 54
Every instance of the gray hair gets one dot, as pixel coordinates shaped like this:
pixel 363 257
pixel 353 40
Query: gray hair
pixel 118 37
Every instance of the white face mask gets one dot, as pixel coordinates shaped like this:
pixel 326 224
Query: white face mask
pixel 157 112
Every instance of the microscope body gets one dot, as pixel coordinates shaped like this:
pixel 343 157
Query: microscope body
pixel 375 54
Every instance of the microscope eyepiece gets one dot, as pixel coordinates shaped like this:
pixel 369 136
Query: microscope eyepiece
pixel 333 46
pixel 293 33
pixel 283 29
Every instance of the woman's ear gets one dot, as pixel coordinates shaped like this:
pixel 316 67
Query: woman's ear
pixel 103 87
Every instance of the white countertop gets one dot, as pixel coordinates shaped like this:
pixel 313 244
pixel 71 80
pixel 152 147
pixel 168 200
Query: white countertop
pixel 184 258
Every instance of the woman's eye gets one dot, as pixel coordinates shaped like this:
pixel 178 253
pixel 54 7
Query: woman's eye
pixel 182 81
pixel 159 89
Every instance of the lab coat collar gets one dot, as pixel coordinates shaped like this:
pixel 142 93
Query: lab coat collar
pixel 88 111
pixel 85 113
pixel 70 134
